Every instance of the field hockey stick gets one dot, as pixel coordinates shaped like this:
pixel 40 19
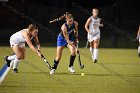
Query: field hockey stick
pixel 79 59
pixel 136 39
pixel 87 44
pixel 44 59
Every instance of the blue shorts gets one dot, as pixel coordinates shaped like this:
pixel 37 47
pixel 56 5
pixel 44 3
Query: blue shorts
pixel 61 41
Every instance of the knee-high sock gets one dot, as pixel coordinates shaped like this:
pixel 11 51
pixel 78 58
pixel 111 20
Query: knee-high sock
pixel 72 58
pixel 12 57
pixel 138 49
pixel 95 53
pixel 91 51
pixel 16 61
pixel 55 64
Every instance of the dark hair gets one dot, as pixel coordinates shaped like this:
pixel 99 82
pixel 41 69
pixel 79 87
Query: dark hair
pixel 66 16
pixel 96 9
pixel 31 27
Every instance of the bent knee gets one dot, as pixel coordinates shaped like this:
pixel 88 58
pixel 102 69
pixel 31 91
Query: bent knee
pixel 20 57
pixel 73 53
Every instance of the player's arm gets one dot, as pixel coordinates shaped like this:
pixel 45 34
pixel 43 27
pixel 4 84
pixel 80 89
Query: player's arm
pixel 101 24
pixel 37 42
pixel 76 31
pixel 29 42
pixel 138 33
pixel 64 30
pixel 87 25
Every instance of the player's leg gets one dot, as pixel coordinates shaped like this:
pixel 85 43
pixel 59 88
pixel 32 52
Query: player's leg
pixel 91 49
pixel 8 59
pixel 72 58
pixel 16 62
pixel 58 57
pixel 139 49
pixel 12 57
pixel 95 53
pixel 23 53
pixel 19 55
pixel 90 39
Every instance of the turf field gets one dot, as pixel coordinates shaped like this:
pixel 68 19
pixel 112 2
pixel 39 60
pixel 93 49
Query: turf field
pixel 117 71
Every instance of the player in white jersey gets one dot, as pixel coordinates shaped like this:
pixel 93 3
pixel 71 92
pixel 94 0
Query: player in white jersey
pixel 138 37
pixel 92 27
pixel 17 42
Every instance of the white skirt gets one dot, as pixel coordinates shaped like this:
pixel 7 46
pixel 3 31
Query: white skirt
pixel 91 37
pixel 17 40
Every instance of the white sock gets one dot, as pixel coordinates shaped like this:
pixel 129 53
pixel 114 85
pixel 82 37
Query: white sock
pixel 16 61
pixel 95 53
pixel 138 49
pixel 12 57
pixel 91 51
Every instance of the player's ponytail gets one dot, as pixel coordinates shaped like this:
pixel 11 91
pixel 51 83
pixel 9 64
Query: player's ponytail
pixel 65 16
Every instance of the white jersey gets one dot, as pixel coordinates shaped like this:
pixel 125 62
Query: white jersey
pixel 18 39
pixel 139 38
pixel 94 22
pixel 94 29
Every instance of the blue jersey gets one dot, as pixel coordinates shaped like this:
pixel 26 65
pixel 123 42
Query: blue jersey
pixel 70 30
pixel 61 41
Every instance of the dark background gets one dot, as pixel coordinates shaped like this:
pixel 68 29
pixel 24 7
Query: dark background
pixel 123 14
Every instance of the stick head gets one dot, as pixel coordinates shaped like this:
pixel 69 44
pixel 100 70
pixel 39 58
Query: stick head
pixel 82 66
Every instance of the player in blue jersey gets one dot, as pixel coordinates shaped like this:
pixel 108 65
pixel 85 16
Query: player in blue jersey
pixel 67 37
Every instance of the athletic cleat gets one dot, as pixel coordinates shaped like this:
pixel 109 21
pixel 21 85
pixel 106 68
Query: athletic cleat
pixel 7 61
pixel 52 71
pixel 138 54
pixel 95 60
pixel 71 69
pixel 15 70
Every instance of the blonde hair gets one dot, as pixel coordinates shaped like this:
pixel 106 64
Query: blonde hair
pixel 66 16
pixel 31 27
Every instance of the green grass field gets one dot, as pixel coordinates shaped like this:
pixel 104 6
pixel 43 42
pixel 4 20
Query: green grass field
pixel 117 71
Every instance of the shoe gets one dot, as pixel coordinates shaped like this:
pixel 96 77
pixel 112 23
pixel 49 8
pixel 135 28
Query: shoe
pixel 138 54
pixel 95 60
pixel 71 69
pixel 15 70
pixel 7 61
pixel 52 71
